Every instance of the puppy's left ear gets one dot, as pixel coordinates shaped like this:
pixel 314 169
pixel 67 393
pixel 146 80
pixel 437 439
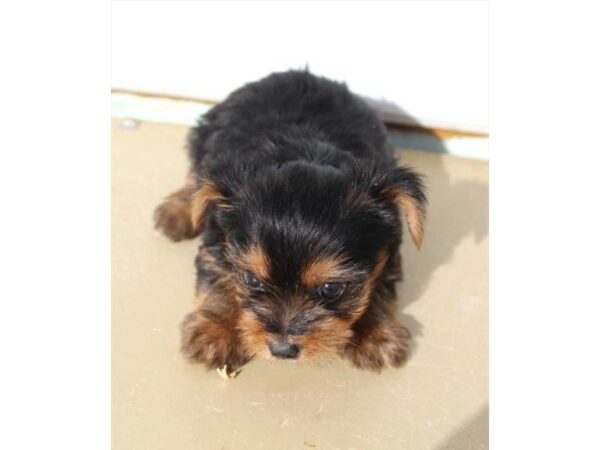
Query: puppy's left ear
pixel 405 187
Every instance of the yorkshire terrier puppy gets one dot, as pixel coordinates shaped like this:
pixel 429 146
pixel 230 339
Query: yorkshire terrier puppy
pixel 296 198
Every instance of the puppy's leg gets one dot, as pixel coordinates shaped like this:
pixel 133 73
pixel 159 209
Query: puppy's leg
pixel 379 340
pixel 173 217
pixel 209 334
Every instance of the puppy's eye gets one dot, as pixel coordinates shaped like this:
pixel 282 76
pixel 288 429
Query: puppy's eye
pixel 253 282
pixel 331 291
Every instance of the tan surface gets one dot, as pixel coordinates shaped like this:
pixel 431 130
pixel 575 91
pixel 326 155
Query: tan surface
pixel 159 401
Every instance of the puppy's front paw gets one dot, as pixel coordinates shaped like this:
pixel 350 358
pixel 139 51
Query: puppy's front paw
pixel 173 219
pixel 385 345
pixel 211 343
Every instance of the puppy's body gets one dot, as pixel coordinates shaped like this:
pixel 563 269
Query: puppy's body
pixel 296 196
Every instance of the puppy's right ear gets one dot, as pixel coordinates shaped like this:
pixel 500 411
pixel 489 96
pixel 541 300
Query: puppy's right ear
pixel 201 201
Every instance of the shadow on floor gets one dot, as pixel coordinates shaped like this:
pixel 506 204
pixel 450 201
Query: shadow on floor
pixel 457 210
pixel 474 435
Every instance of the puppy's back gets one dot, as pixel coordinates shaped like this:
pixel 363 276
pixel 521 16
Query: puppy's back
pixel 285 108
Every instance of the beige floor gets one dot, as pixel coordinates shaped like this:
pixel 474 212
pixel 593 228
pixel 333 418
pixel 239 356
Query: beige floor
pixel 160 402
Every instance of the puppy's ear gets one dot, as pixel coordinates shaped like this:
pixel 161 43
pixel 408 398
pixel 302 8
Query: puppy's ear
pixel 405 187
pixel 201 200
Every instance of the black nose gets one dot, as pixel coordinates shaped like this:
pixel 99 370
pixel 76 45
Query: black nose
pixel 284 350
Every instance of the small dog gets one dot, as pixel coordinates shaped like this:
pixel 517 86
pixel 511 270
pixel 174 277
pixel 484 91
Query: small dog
pixel 297 199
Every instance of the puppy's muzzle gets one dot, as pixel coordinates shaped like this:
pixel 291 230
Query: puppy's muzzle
pixel 284 349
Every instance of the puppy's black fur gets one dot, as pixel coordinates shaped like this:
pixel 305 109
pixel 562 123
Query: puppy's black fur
pixel 297 197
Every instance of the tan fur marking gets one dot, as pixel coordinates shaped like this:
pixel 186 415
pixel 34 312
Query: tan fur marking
pixel 258 263
pixel 415 216
pixel 377 271
pixel 323 270
pixel 200 202
pixel 253 336
pixel 371 284
pixel 326 342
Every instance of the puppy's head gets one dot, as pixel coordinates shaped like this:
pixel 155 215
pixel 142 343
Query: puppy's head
pixel 308 243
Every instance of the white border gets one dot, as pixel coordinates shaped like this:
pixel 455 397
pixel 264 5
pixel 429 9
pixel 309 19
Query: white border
pixel 55 240
pixel 544 331
pixel 544 226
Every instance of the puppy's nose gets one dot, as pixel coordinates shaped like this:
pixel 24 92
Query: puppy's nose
pixel 284 349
